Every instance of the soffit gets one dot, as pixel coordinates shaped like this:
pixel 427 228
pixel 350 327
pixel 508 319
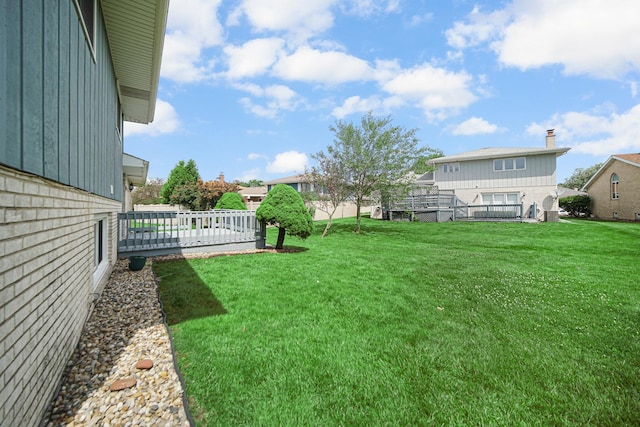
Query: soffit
pixel 135 30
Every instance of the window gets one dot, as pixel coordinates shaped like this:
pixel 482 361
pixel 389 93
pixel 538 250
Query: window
pixel 517 163
pixel 615 193
pixel 500 199
pixel 87 12
pixel 100 257
pixel 451 167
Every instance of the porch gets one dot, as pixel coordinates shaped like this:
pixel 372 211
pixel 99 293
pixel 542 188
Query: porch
pixel 163 233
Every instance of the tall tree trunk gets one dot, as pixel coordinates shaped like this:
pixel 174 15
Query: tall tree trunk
pixel 280 242
pixel 358 217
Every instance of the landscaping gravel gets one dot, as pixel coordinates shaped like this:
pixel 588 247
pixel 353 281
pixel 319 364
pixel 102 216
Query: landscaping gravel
pixel 125 329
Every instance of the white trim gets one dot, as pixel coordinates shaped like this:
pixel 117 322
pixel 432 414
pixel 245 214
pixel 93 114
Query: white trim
pixel 100 266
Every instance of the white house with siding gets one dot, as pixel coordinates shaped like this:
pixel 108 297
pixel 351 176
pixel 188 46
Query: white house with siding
pixel 492 176
pixel 70 72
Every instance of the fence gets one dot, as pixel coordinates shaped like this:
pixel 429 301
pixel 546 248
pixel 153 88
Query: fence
pixel 489 212
pixel 172 231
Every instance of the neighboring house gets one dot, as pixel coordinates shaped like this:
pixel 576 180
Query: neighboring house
pixel 70 73
pixel 494 176
pixel 615 188
pixel 253 196
pixel 296 181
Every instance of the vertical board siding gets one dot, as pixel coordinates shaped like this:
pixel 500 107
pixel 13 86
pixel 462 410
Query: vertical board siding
pixel 32 93
pixel 63 93
pixel 57 112
pixel 540 171
pixel 51 95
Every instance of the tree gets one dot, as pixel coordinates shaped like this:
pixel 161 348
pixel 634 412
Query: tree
pixel 580 176
pixel 231 200
pixel 284 208
pixel 211 191
pixel 377 156
pixel 187 195
pixel 181 174
pixel 422 165
pixel 329 184
pixel 576 205
pixel 252 183
pixel 149 193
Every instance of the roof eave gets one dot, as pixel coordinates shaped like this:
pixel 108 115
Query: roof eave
pixel 136 57
pixel 535 151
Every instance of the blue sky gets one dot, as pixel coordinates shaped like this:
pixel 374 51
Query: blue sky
pixel 250 87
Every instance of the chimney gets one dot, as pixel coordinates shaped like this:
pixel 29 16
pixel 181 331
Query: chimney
pixel 221 178
pixel 551 139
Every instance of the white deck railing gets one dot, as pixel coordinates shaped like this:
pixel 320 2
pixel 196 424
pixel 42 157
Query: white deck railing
pixel 144 231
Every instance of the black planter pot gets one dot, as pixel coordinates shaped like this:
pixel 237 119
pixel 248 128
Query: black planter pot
pixel 137 263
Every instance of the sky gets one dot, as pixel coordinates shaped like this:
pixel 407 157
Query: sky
pixel 250 88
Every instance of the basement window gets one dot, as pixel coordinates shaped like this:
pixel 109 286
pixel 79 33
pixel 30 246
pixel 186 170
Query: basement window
pixel 100 256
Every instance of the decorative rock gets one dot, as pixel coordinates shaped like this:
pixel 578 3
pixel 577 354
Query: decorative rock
pixel 122 384
pixel 125 325
pixel 144 364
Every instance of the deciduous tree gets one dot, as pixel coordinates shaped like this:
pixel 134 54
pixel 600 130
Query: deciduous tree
pixel 377 156
pixel 284 208
pixel 580 176
pixel 329 184
pixel 149 193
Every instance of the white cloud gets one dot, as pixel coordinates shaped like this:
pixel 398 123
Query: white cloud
pixel 256 156
pixel 288 162
pixel 584 37
pixel 439 92
pixel 301 19
pixel 331 67
pixel 475 126
pixel 165 121
pixel 192 27
pixel 355 104
pixel 250 174
pixel 279 97
pixel 595 134
pixel 370 7
pixel 253 57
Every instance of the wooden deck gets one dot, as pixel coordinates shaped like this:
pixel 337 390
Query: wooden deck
pixel 163 233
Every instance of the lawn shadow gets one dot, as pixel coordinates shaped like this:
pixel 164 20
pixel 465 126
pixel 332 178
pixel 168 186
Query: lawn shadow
pixel 183 294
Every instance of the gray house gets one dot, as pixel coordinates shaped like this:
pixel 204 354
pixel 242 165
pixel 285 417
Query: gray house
pixel 70 72
pixel 496 176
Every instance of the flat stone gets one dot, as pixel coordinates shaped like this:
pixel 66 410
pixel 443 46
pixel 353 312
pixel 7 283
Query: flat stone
pixel 144 364
pixel 122 384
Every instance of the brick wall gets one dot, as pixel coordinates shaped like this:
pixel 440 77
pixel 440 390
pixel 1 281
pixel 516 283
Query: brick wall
pixel 47 285
pixel 628 204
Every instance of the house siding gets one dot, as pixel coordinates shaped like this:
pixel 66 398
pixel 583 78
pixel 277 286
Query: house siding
pixel 59 118
pixel 540 171
pixel 60 169
pixel 627 206
pixel 477 177
pixel 46 285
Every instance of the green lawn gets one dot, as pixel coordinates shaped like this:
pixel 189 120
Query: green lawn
pixel 415 324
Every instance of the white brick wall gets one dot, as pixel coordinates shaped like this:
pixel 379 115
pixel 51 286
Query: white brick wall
pixel 46 285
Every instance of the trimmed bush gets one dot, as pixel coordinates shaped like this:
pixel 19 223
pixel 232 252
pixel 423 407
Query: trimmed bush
pixel 231 201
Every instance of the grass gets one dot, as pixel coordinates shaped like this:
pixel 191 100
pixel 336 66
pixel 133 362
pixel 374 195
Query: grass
pixel 415 324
